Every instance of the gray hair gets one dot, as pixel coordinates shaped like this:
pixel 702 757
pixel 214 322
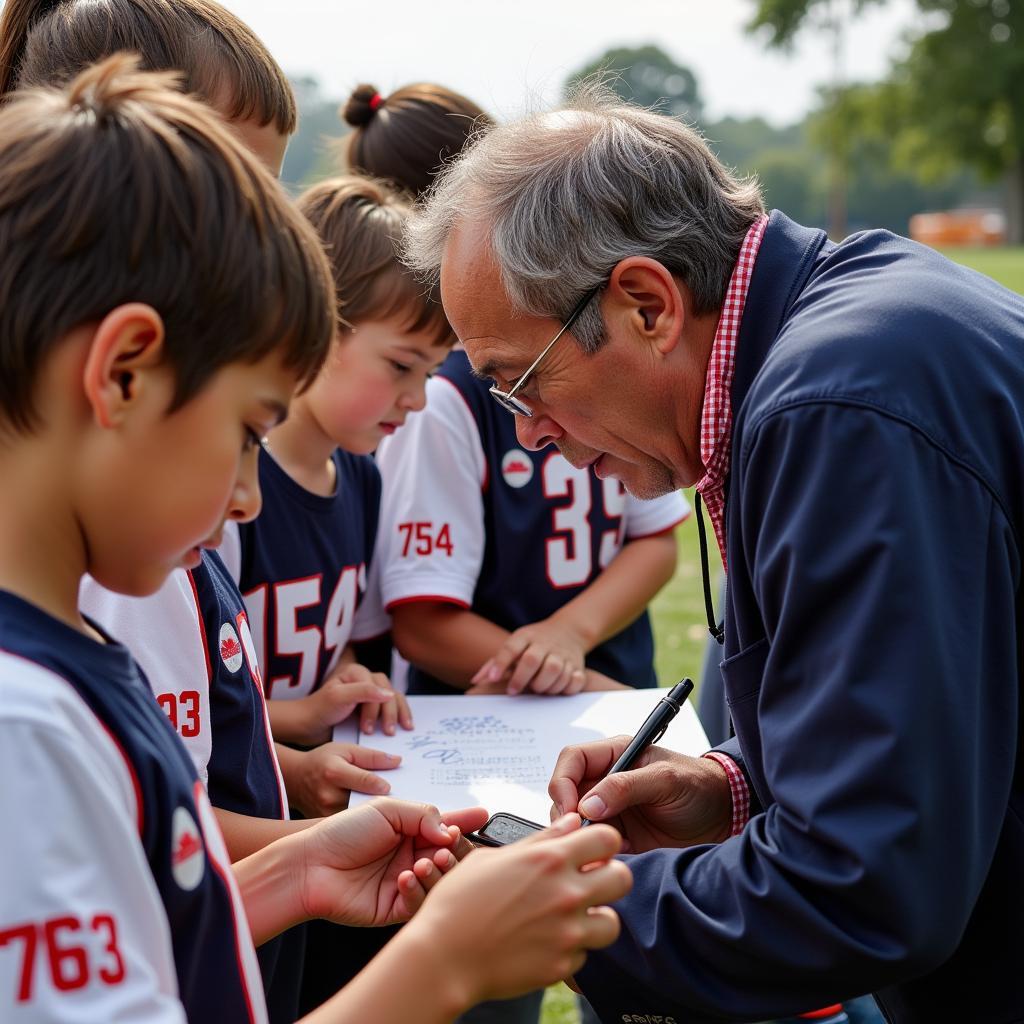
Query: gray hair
pixel 569 194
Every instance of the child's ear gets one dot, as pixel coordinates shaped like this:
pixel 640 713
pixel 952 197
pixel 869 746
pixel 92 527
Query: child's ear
pixel 127 344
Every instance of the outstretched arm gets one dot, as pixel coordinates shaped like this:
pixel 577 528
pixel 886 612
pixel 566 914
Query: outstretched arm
pixel 244 834
pixel 502 923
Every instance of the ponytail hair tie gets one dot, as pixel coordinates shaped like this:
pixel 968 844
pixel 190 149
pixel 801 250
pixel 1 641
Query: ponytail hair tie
pixel 375 101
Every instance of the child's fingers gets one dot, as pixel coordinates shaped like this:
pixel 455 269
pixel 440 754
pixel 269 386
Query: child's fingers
pixel 551 676
pixel 483 673
pixel 404 711
pixel 602 927
pixel 507 655
pixel 445 860
pixel 577 680
pixel 389 717
pixel 368 757
pixel 368 715
pixel 338 693
pixel 527 665
pixel 345 775
pixel 465 819
pixel 411 891
pixel 581 845
pixel 607 883
pixel 425 822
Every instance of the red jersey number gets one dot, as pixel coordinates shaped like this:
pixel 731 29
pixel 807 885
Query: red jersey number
pixel 183 711
pixel 72 962
pixel 422 539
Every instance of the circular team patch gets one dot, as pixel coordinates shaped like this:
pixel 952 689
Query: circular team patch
pixel 230 648
pixel 188 859
pixel 516 468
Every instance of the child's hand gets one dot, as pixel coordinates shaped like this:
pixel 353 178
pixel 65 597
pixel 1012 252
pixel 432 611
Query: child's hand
pixel 373 866
pixel 389 713
pixel 511 920
pixel 593 681
pixel 349 687
pixel 543 657
pixel 319 781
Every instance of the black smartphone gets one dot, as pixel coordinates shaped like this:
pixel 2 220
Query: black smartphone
pixel 504 828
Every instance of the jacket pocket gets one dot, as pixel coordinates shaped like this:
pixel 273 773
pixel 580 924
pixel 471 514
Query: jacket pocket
pixel 743 675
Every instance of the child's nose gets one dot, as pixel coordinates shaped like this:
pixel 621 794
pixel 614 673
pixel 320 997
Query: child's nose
pixel 246 499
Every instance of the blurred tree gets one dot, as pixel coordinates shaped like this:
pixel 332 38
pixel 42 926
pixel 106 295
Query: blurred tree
pixel 781 20
pixel 792 166
pixel 649 76
pixel 310 157
pixel 955 100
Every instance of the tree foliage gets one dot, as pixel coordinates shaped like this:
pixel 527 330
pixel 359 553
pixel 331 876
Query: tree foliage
pixel 792 162
pixel 955 100
pixel 781 20
pixel 646 75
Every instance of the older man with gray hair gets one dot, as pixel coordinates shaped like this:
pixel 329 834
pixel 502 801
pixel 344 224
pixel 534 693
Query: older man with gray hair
pixel 850 414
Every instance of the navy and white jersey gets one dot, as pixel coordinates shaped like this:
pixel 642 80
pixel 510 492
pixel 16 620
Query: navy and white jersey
pixel 302 566
pixel 244 774
pixel 194 645
pixel 164 632
pixel 118 900
pixel 471 518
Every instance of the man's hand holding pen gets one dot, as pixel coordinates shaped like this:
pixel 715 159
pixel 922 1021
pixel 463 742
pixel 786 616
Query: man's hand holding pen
pixel 666 799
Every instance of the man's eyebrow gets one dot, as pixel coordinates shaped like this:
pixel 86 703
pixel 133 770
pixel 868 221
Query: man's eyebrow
pixel 489 370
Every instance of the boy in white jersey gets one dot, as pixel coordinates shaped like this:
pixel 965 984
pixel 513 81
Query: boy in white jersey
pixel 129 423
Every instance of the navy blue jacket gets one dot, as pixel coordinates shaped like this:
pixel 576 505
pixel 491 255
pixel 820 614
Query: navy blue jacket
pixel 872 659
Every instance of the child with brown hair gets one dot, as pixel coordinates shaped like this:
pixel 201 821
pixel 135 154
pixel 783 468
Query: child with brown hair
pixel 189 636
pixel 304 565
pixel 220 59
pixel 406 137
pixel 145 347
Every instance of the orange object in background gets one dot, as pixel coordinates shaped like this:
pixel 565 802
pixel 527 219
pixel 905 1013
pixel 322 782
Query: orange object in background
pixel 959 227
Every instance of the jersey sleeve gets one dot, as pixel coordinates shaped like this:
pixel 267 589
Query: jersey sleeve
pixel 647 517
pixel 431 537
pixel 83 932
pixel 165 635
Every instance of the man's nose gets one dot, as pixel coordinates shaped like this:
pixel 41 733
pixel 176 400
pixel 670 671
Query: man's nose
pixel 537 431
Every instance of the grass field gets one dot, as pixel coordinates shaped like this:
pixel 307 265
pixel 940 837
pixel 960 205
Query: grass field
pixel 1004 265
pixel 677 612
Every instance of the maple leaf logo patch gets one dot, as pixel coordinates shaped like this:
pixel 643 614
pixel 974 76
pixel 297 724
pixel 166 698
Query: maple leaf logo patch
pixel 188 857
pixel 230 648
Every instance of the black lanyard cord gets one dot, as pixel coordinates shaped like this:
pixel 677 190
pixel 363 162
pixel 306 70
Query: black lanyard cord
pixel 718 632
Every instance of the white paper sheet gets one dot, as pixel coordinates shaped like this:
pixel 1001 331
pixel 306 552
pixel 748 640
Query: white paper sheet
pixel 499 751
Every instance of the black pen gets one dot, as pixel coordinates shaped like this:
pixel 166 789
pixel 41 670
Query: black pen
pixel 653 728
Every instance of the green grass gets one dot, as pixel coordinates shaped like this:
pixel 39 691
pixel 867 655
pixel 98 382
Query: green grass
pixel 677 613
pixel 1005 265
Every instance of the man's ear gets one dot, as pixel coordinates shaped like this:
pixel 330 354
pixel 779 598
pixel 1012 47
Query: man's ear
pixel 644 292
pixel 127 344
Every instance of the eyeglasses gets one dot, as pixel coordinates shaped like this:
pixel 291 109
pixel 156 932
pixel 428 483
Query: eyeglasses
pixel 507 399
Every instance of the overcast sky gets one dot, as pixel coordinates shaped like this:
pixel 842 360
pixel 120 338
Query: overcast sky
pixel 508 54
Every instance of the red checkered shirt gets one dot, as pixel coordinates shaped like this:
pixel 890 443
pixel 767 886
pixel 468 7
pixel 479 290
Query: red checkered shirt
pixel 715 445
pixel 716 417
